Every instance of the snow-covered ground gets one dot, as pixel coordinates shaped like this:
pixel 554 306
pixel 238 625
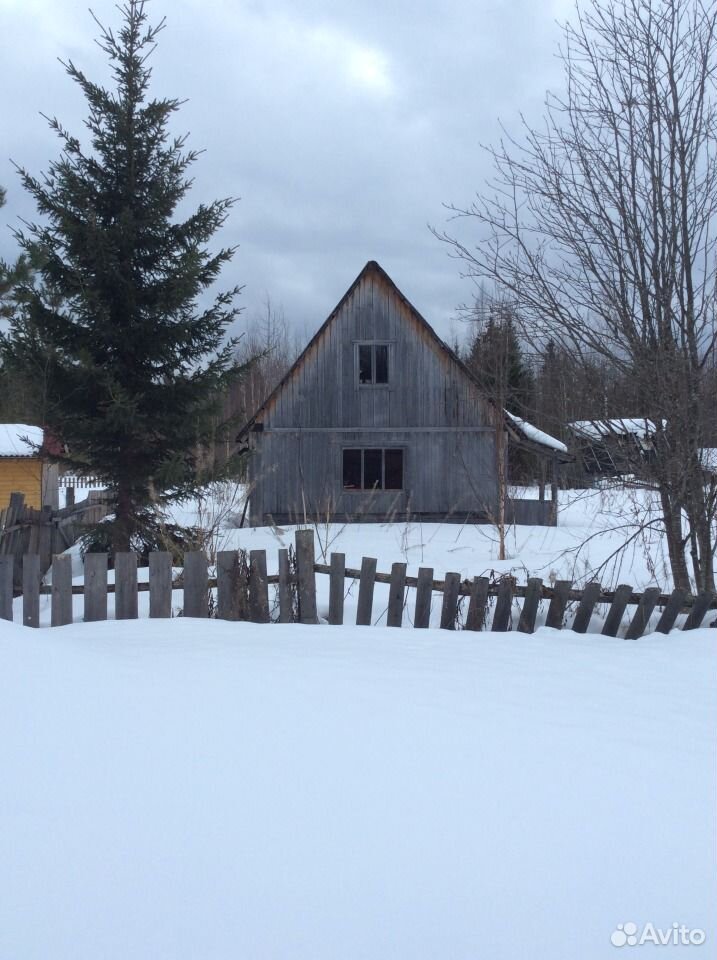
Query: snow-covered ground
pixel 184 789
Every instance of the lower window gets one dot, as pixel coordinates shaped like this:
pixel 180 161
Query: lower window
pixel 372 468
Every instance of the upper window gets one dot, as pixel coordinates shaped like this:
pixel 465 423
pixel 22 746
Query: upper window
pixel 372 364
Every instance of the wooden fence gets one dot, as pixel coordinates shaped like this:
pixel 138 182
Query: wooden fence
pixel 45 532
pixel 240 591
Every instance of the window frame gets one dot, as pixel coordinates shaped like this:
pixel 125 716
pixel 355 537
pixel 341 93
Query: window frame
pixel 383 488
pixel 357 363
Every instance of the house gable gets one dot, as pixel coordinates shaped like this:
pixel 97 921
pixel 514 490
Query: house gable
pixel 428 386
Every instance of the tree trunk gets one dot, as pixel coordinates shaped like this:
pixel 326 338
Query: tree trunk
pixel 675 545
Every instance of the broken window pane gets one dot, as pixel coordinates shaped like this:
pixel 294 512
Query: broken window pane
pixel 365 351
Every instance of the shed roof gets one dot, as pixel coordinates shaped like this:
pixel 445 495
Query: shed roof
pixel 20 440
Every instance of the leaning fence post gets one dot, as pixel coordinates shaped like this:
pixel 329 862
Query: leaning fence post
pixel 700 606
pixel 6 571
pixel 533 593
pixel 61 612
pixel 614 614
pixel 642 615
pixel 477 604
pixel 306 576
pixel 671 611
pixel 503 602
pixel 125 586
pixel 31 577
pixel 365 596
pixel 558 603
pixel 591 594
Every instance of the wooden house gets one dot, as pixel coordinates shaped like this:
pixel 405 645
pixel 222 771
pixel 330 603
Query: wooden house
pixel 23 468
pixel 377 419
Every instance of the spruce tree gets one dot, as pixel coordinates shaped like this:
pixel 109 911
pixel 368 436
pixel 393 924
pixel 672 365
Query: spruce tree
pixel 133 348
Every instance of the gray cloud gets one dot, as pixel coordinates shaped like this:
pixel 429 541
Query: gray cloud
pixel 342 128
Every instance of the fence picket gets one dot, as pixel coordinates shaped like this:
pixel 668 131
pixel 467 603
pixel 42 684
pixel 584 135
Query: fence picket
pixel 642 614
pixel 700 606
pixel 95 587
pixel 449 608
pixel 558 603
pixel 31 577
pixel 365 597
pixel 125 586
pixel 196 588
pixel 6 577
pixel 61 606
pixel 477 603
pixel 258 587
pixel 614 614
pixel 305 575
pixel 160 584
pixel 672 611
pixel 503 603
pixel 424 595
pixel 396 593
pixel 533 593
pixel 285 587
pixel 590 597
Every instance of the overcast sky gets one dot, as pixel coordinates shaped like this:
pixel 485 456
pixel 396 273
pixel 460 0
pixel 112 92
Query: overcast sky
pixel 342 127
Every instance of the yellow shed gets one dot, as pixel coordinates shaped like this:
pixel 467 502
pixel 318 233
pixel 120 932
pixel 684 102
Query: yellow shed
pixel 23 469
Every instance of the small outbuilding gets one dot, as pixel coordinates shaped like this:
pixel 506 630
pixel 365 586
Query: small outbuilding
pixel 23 467
pixel 379 419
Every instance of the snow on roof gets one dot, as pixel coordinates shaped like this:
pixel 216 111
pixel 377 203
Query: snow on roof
pixel 626 426
pixel 13 442
pixel 537 436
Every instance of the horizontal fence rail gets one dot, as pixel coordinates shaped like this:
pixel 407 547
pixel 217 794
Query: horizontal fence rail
pixel 239 590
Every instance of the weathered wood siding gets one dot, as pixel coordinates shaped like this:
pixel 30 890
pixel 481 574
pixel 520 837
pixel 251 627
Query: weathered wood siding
pixel 429 408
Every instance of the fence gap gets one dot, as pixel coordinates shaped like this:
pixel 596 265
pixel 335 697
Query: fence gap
pixel 95 599
pixel 125 586
pixel 160 584
pixel 365 597
pixel 396 591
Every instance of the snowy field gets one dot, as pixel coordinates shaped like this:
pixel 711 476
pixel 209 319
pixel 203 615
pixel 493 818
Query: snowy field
pixel 176 790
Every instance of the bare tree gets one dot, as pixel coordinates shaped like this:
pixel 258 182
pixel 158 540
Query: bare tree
pixel 600 225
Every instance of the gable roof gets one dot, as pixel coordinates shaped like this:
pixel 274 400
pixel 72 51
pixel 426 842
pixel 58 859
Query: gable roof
pixel 372 267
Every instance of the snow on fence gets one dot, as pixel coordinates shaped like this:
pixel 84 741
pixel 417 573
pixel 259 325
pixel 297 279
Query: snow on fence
pixel 242 593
